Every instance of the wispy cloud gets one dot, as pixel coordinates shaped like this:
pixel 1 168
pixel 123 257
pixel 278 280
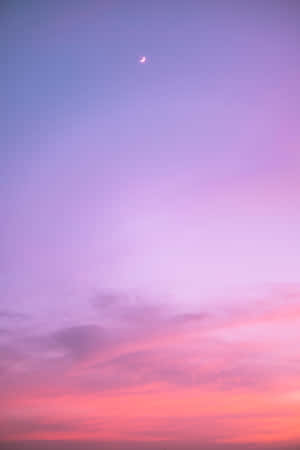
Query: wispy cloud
pixel 141 352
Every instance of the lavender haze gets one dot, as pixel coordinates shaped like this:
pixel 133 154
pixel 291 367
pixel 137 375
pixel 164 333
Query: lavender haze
pixel 150 217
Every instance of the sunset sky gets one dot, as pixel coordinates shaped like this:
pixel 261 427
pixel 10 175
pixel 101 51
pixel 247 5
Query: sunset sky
pixel 150 224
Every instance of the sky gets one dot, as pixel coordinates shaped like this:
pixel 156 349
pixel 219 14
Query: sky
pixel 150 217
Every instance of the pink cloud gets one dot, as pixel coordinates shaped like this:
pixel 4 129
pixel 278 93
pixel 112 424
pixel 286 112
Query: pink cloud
pixel 157 363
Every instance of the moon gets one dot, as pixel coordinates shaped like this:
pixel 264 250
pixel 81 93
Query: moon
pixel 143 59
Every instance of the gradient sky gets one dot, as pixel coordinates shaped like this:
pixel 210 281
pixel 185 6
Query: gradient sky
pixel 150 217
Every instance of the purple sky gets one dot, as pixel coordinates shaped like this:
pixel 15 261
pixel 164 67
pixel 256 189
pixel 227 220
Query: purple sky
pixel 150 223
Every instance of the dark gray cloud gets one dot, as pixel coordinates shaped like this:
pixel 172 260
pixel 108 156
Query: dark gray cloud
pixel 80 341
pixel 36 424
pixel 4 332
pixel 127 309
pixel 141 314
pixel 7 314
pixel 9 353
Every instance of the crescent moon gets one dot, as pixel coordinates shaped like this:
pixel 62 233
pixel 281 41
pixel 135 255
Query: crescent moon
pixel 143 59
